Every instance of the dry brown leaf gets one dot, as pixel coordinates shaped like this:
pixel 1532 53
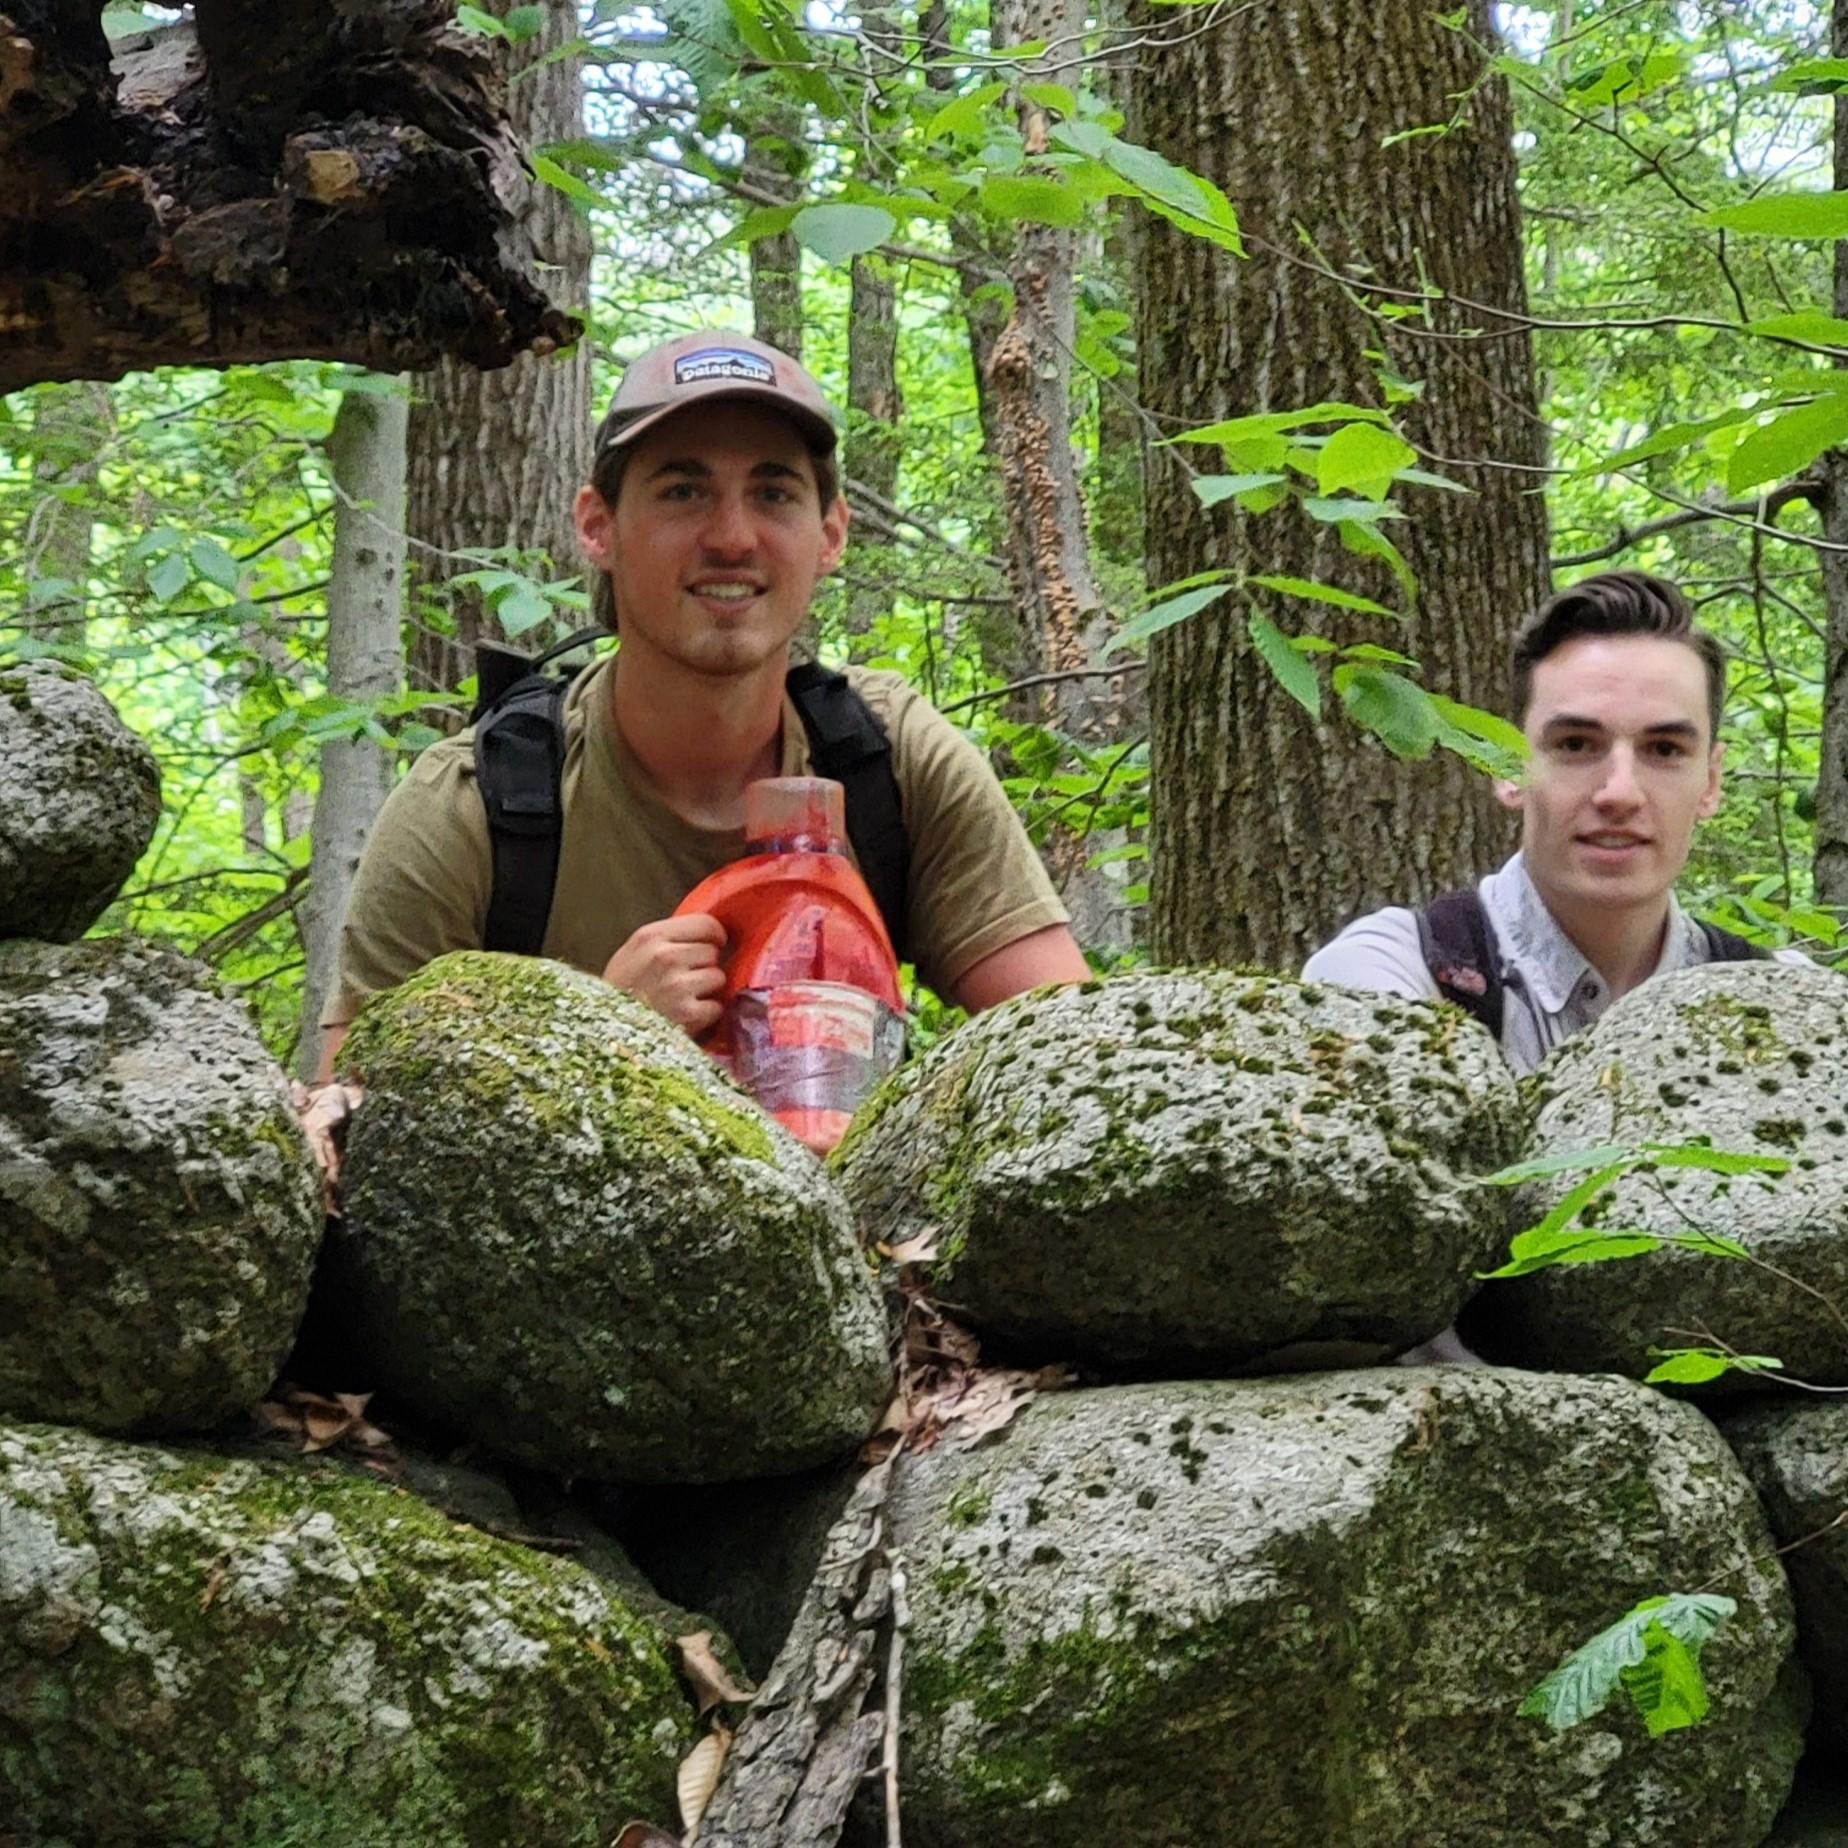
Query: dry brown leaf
pixel 322 1422
pixel 919 1250
pixel 698 1777
pixel 598 1650
pixel 644 1835
pixel 710 1680
pixel 214 1584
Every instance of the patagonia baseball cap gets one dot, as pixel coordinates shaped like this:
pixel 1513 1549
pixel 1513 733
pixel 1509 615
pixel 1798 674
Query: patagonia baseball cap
pixel 692 368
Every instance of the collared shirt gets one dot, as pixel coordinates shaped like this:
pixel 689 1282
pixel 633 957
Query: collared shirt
pixel 1557 994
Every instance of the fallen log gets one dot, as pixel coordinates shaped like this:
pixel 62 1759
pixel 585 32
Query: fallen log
pixel 330 179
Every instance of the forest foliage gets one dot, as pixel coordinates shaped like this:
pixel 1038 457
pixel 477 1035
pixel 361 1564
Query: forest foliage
pixel 172 531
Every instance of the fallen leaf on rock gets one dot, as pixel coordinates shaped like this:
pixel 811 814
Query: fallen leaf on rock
pixel 644 1835
pixel 699 1776
pixel 919 1250
pixel 321 1422
pixel 710 1680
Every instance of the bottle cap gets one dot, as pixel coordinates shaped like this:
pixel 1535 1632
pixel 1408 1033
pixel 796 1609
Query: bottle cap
pixel 798 814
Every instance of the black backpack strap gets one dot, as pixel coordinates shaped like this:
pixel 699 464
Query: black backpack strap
pixel 847 743
pixel 1723 946
pixel 1459 949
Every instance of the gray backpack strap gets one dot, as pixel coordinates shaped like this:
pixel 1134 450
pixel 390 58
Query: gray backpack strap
pixel 1461 953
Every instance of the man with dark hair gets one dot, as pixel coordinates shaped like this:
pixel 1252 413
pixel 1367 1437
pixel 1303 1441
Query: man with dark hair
pixel 1619 697
pixel 712 512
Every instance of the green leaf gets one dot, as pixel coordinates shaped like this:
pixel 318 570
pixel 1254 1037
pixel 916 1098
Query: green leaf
pixel 1812 77
pixel 838 233
pixel 1325 593
pixel 473 19
pixel 1364 457
pixel 1365 540
pixel 1210 490
pixel 1809 214
pixel 1333 512
pixel 1563 1162
pixel 1396 710
pixel 1716 1161
pixel 1667 1634
pixel 561 179
pixel 1262 423
pixel 963 114
pixel 1294 674
pixel 1535 1251
pixel 211 561
pixel 522 608
pixel 1664 442
pixel 168 576
pixel 764 221
pixel 1810 325
pixel 1372 651
pixel 1185 194
pixel 1696 1366
pixel 1490 727
pixel 1164 615
pixel 1031 196
pixel 523 23
pixel 1623 82
pixel 1790 443
pixel 1051 96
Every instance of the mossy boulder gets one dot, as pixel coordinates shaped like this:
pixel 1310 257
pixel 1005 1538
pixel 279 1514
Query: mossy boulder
pixel 1196 1170
pixel 200 1650
pixel 1797 1458
pixel 159 1211
pixel 79 800
pixel 1750 1057
pixel 570 1237
pixel 1815 1817
pixel 1307 1610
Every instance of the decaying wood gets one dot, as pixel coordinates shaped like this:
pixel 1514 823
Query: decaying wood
pixel 330 179
pixel 812 1731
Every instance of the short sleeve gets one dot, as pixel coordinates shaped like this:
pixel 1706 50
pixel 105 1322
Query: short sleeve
pixel 1379 952
pixel 976 882
pixel 422 885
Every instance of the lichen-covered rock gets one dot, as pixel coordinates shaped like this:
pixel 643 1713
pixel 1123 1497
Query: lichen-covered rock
pixel 1197 1169
pixel 1751 1057
pixel 159 1211
pixel 79 800
pixel 570 1236
pixel 1815 1817
pixel 206 1651
pixel 1306 1610
pixel 1797 1458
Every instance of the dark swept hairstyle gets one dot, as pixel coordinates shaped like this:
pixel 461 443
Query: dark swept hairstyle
pixel 606 477
pixel 1616 603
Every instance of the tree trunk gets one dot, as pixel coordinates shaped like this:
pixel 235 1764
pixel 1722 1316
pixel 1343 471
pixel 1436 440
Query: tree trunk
pixel 70 426
pixel 365 661
pixel 776 262
pixel 496 458
pixel 330 178
pixel 1831 837
pixel 1268 832
pixel 872 448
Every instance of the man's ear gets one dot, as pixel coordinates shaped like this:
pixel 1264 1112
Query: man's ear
pixel 1510 795
pixel 834 533
pixel 595 520
pixel 1710 797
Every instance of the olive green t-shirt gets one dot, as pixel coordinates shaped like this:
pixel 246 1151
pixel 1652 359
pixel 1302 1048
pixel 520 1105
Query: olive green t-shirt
pixel 627 859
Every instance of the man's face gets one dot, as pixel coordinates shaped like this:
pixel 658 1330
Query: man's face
pixel 717 538
pixel 1622 767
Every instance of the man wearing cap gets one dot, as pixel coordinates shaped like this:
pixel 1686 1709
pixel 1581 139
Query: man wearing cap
pixel 712 512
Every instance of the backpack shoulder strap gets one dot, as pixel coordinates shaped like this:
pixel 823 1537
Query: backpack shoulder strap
pixel 1723 946
pixel 1460 951
pixel 848 743
pixel 519 766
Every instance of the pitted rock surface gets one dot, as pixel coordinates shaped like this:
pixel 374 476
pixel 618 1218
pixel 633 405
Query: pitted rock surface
pixel 159 1211
pixel 1797 1458
pixel 207 1650
pixel 1752 1057
pixel 79 800
pixel 573 1238
pixel 1196 1169
pixel 1306 1610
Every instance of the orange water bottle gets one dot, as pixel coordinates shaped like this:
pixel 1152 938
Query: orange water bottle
pixel 811 1017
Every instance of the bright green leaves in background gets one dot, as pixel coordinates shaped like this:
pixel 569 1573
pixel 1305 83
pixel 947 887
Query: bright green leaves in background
pixel 1652 1653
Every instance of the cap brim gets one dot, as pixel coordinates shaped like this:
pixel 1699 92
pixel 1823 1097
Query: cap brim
pixel 818 429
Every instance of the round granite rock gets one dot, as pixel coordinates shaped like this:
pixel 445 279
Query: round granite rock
pixel 1748 1057
pixel 1196 1170
pixel 1307 1610
pixel 571 1237
pixel 159 1211
pixel 1797 1458
pixel 79 800
pixel 202 1650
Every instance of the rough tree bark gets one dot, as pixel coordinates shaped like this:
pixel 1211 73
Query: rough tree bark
pixel 331 178
pixel 365 661
pixel 776 262
pixel 495 458
pixel 1269 832
pixel 1831 836
pixel 870 453
pixel 71 424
